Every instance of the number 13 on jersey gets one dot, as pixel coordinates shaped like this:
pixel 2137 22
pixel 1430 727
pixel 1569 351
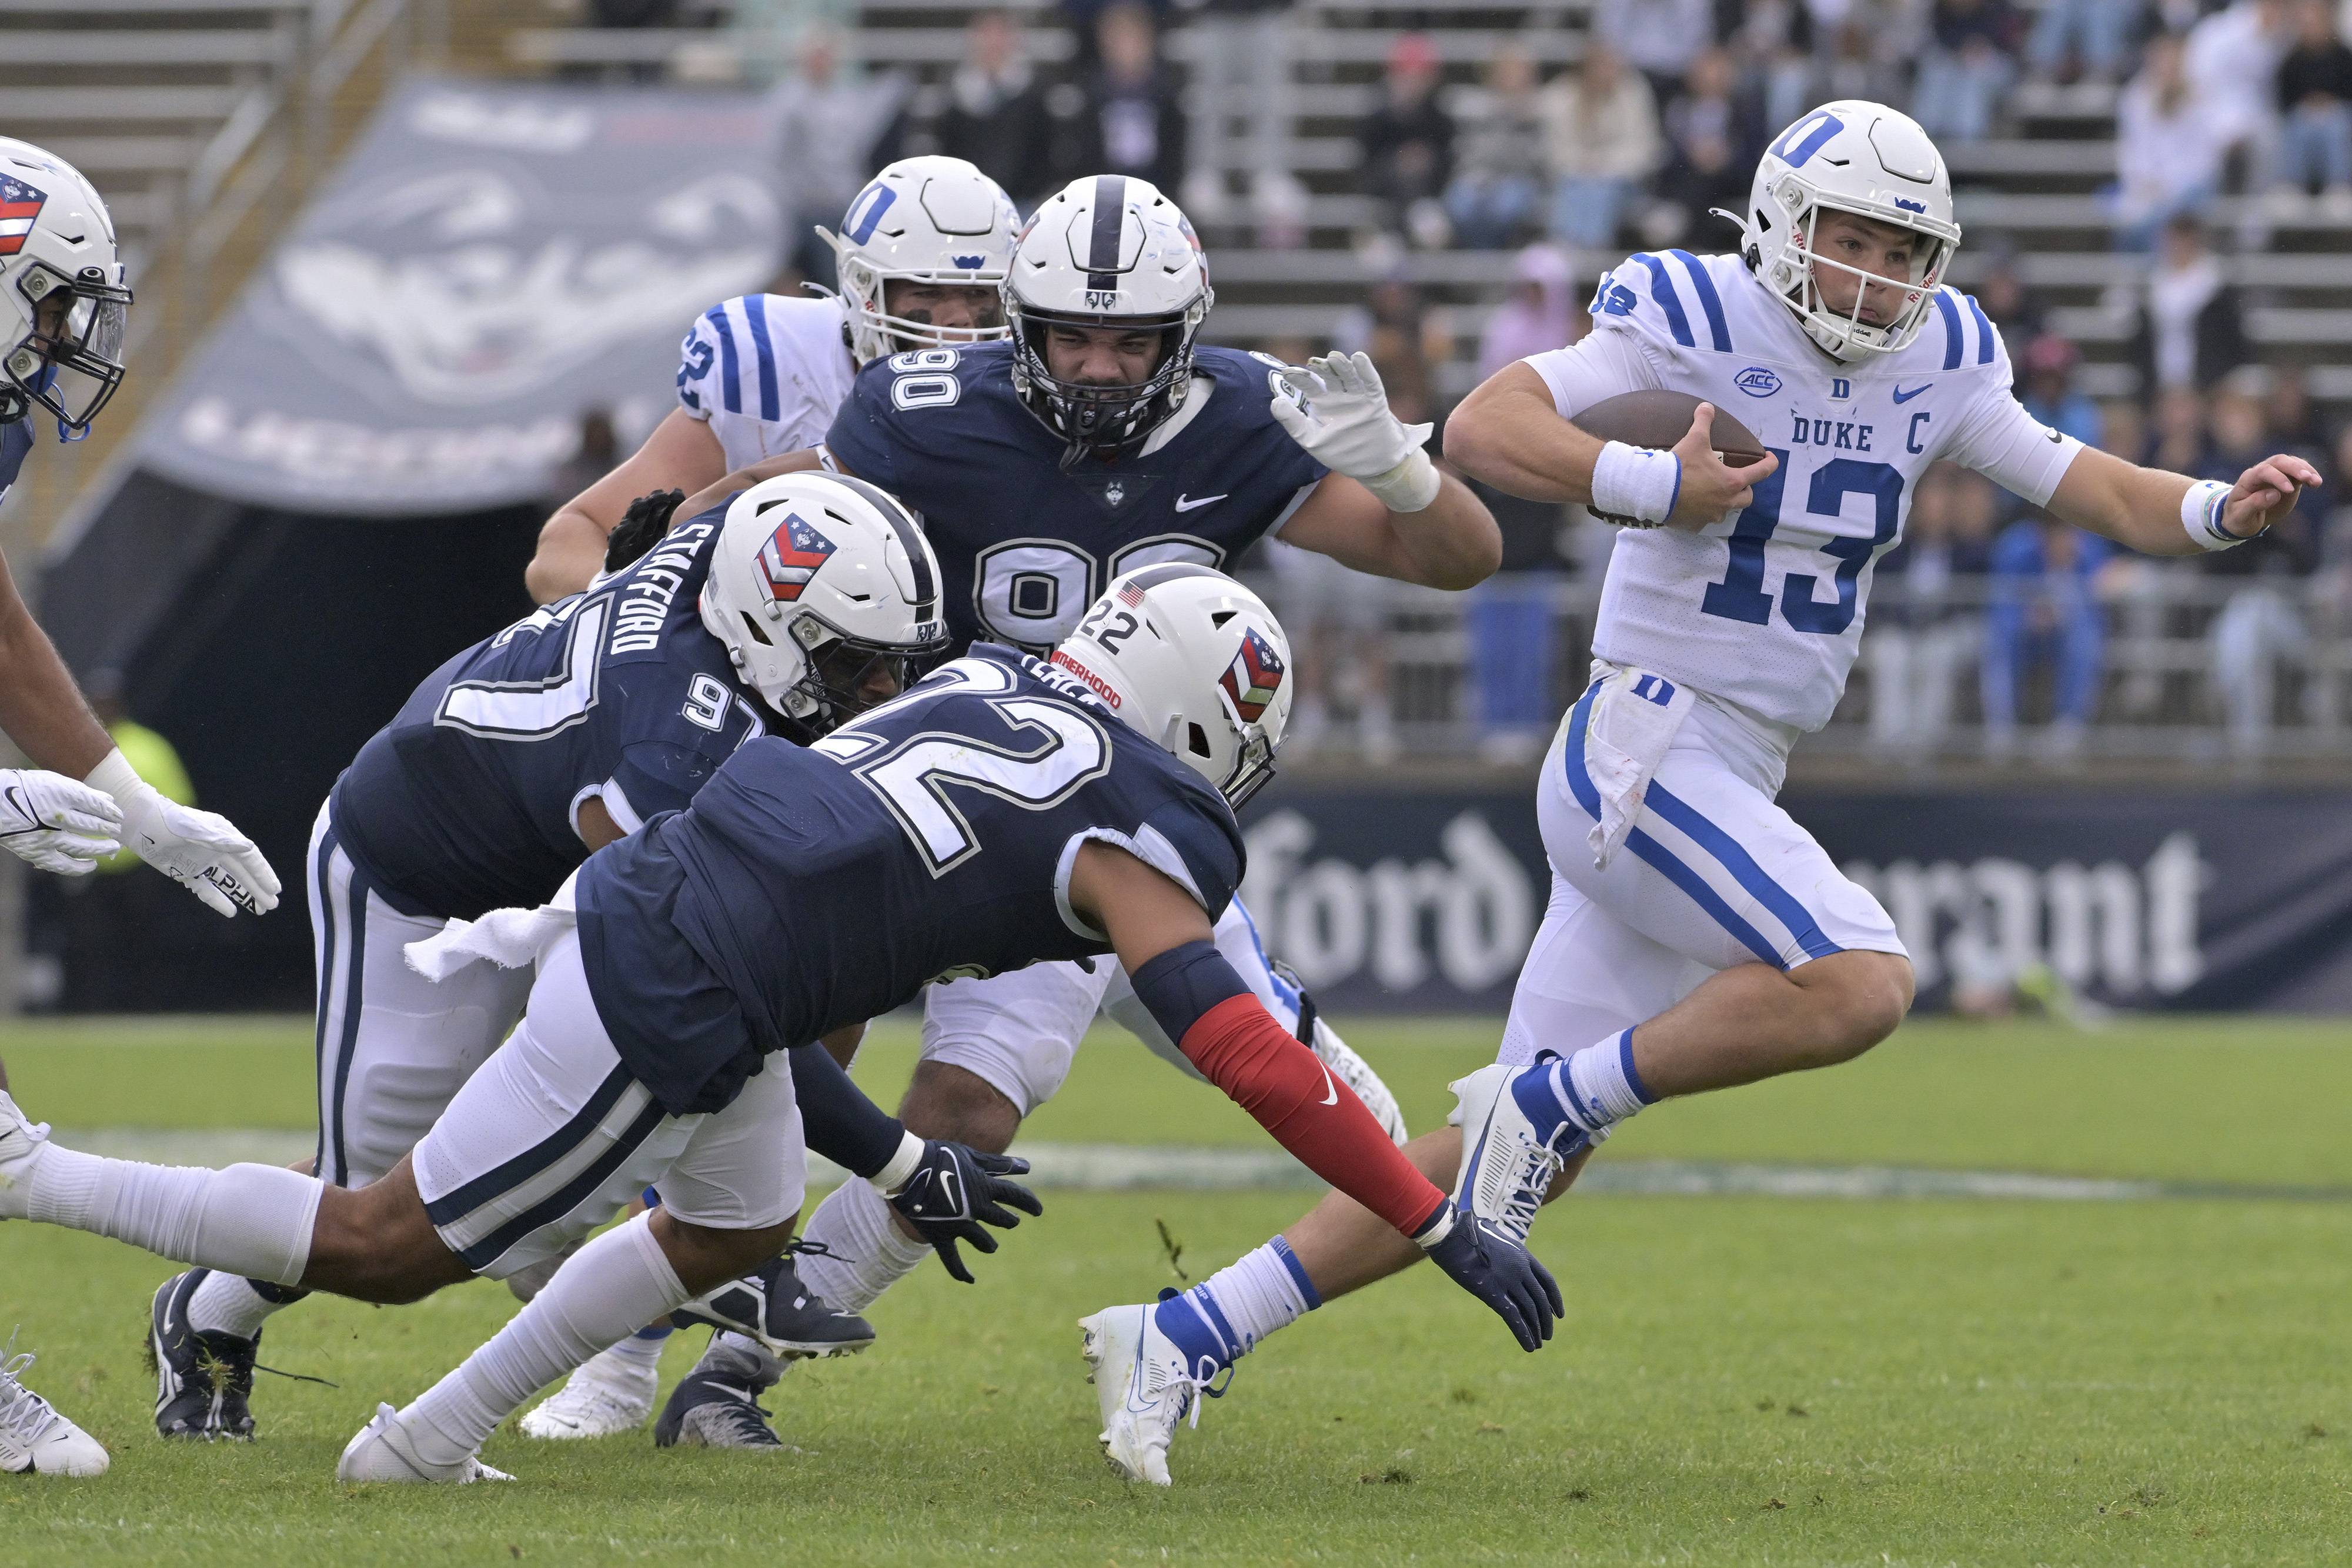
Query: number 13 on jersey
pixel 1740 596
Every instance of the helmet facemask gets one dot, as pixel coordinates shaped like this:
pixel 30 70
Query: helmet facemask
pixel 876 334
pixel 1844 333
pixel 838 666
pixel 75 369
pixel 1092 418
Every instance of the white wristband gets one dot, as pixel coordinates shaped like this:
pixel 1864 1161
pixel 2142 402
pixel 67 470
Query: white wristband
pixel 1636 483
pixel 115 777
pixel 2200 514
pixel 893 1176
pixel 1409 486
pixel 1438 1229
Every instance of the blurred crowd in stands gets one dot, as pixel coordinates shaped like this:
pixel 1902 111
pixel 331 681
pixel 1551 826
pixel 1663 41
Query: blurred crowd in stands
pixel 1993 622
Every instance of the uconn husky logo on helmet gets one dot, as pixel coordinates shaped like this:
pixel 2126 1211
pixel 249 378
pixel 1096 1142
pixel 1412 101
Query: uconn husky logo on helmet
pixel 1253 678
pixel 791 556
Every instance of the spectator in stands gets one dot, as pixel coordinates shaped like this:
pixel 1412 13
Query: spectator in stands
pixel 1498 174
pixel 2261 621
pixel 598 453
pixel 1084 19
pixel 1408 144
pixel 1872 46
pixel 1774 45
pixel 1711 145
pixel 2232 59
pixel 1241 70
pixel 1657 37
pixel 1924 621
pixel 627 13
pixel 823 122
pixel 1126 118
pixel 991 110
pixel 1600 142
pixel 2293 420
pixel 2080 39
pixel 1541 313
pixel 2191 330
pixel 2050 395
pixel 1964 68
pixel 2314 101
pixel 2002 294
pixel 2043 606
pixel 2168 161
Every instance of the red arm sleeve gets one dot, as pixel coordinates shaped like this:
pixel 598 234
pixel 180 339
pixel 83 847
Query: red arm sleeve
pixel 1243 1051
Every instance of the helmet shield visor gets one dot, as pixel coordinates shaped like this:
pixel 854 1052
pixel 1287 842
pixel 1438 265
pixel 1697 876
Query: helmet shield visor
pixel 1252 769
pixel 72 362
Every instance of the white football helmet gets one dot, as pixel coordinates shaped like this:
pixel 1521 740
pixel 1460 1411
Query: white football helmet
pixel 63 307
pixel 1194 661
pixel 931 220
pixel 819 585
pixel 1105 251
pixel 1850 157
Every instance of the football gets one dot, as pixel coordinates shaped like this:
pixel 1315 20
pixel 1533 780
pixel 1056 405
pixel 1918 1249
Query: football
pixel 1659 419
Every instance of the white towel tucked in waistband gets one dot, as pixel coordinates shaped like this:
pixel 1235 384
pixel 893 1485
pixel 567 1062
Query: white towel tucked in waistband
pixel 1633 720
pixel 510 939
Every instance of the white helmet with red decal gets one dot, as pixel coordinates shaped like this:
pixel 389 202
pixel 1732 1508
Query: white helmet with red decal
pixel 827 595
pixel 1194 661
pixel 63 306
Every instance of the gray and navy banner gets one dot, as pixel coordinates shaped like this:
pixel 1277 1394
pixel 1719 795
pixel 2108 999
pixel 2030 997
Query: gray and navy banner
pixel 490 261
pixel 1424 901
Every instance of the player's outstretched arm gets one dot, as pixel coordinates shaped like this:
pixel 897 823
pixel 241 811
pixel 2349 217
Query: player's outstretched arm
pixel 1164 938
pixel 1508 433
pixel 2158 513
pixel 680 455
pixel 62 821
pixel 1384 508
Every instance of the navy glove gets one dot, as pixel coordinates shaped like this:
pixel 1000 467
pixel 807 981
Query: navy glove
pixel 1483 1260
pixel 955 1191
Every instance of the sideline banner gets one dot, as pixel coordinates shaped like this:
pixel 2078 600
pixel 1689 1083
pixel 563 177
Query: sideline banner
pixel 489 262
pixel 2196 900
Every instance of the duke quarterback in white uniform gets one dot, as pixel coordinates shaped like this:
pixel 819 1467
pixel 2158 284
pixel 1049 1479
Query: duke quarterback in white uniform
pixel 1698 936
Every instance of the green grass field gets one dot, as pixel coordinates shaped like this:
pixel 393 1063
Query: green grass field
pixel 1740 1380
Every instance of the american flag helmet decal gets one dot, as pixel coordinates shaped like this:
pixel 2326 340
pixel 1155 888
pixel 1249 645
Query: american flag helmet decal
pixel 19 204
pixel 791 558
pixel 1253 678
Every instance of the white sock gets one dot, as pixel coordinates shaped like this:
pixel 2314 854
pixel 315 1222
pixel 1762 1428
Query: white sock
pixel 871 1255
pixel 1606 1089
pixel 643 1348
pixel 600 1297
pixel 228 1304
pixel 1225 1315
pixel 246 1220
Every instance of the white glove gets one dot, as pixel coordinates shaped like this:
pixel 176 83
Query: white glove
pixel 199 850
pixel 55 823
pixel 1346 425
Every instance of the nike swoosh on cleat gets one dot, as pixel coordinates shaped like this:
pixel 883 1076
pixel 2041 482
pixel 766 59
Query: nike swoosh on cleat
pixel 1901 396
pixel 1186 504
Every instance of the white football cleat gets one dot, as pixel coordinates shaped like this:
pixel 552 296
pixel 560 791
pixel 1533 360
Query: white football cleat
pixel 33 1435
pixel 20 1146
pixel 1357 1073
pixel 1507 1163
pixel 383 1451
pixel 606 1394
pixel 1144 1387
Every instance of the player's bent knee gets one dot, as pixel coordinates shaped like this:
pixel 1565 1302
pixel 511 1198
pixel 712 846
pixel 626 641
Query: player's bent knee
pixel 1863 998
pixel 708 1256
pixel 378 1245
pixel 956 1103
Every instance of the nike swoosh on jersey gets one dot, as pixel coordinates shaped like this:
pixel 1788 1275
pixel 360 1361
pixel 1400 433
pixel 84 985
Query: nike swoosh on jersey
pixel 1186 504
pixel 1901 396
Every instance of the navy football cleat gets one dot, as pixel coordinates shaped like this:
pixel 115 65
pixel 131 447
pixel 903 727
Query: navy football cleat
pixel 717 1406
pixel 772 1306
pixel 204 1381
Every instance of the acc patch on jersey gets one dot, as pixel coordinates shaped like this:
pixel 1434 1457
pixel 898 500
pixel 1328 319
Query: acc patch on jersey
pixel 19 206
pixel 1254 676
pixel 791 556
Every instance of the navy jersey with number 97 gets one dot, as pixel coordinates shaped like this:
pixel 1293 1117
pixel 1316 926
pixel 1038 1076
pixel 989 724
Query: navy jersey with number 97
pixel 933 838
